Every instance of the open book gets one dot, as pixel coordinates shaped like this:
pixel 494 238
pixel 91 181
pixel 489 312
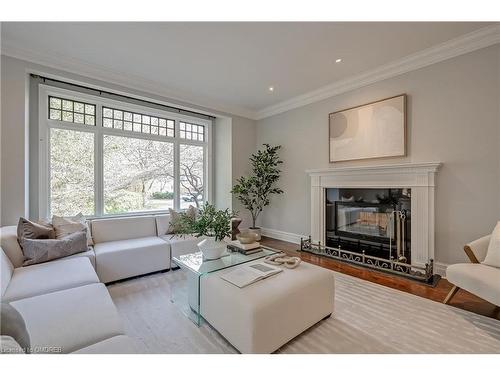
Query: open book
pixel 246 275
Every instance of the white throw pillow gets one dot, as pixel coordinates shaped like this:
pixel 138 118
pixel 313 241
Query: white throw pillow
pixel 493 254
pixel 64 226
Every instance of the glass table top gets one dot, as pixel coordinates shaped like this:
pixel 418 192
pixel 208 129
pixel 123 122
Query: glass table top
pixel 197 264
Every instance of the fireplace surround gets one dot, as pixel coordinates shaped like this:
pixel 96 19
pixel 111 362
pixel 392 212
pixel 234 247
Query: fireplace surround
pixel 418 177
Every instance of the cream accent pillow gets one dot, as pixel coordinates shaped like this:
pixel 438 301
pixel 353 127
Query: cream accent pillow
pixel 64 226
pixel 493 254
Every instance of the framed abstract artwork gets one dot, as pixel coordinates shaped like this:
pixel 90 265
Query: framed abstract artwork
pixel 373 130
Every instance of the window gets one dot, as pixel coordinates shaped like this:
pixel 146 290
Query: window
pixel 104 157
pixel 71 172
pixel 137 122
pixel 138 175
pixel 71 111
pixel 191 175
pixel 192 131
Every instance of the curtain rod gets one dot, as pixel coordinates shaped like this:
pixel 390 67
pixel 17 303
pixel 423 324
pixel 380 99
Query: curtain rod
pixel 172 109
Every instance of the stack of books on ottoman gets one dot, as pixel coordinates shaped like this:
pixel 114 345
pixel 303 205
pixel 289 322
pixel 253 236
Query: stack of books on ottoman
pixel 246 249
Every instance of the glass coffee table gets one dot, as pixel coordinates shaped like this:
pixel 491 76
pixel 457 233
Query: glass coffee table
pixel 195 267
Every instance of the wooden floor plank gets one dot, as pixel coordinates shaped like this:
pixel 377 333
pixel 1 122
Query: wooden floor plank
pixel 463 299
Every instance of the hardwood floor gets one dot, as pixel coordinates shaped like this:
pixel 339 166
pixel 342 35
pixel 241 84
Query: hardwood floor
pixel 463 299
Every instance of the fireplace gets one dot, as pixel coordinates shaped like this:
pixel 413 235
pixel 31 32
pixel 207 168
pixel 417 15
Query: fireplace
pixel 411 184
pixel 375 222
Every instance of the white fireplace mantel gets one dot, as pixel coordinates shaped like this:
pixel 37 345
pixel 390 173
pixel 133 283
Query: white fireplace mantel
pixel 420 177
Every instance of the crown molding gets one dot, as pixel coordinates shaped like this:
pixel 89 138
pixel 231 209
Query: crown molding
pixel 475 40
pixel 108 75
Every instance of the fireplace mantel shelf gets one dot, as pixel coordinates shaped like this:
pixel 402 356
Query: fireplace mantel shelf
pixel 393 168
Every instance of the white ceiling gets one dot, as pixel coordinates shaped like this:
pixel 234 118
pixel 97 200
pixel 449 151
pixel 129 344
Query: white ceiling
pixel 234 63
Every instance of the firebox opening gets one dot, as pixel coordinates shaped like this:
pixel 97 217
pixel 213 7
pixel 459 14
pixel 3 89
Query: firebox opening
pixel 375 222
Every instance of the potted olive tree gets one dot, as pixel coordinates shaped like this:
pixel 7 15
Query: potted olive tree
pixel 254 191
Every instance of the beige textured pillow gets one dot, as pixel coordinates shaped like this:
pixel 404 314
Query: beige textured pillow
pixel 176 216
pixel 493 254
pixel 64 226
pixel 32 230
pixel 40 251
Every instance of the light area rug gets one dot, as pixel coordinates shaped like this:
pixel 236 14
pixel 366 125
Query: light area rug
pixel 367 318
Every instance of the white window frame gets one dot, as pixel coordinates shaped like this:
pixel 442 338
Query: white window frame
pixel 45 124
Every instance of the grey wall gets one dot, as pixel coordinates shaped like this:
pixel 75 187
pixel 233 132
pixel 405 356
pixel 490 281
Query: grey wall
pixel 14 151
pixel 453 118
pixel 222 137
pixel 234 143
pixel 244 137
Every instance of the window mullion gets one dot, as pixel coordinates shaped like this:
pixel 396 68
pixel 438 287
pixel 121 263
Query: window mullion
pixel 98 165
pixel 177 169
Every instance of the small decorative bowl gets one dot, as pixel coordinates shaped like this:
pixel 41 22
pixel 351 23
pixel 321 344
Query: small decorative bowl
pixel 246 238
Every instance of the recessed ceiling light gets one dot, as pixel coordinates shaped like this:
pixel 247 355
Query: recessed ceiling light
pixel 338 60
pixel 271 88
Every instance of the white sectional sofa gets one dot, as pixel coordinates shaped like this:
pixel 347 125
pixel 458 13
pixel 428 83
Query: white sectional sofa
pixel 64 302
pixel 64 306
pixel 128 246
pixel 132 246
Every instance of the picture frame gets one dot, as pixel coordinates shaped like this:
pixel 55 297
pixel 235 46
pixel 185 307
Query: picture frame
pixel 369 131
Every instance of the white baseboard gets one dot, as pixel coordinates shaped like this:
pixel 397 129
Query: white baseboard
pixel 283 236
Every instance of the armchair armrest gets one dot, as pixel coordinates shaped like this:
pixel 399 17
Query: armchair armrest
pixel 476 250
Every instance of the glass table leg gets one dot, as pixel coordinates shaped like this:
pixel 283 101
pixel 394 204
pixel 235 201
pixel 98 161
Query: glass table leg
pixel 185 294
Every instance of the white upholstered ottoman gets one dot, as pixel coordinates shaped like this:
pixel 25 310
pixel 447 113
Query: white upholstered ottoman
pixel 264 316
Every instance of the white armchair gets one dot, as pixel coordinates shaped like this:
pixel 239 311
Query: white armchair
pixel 475 277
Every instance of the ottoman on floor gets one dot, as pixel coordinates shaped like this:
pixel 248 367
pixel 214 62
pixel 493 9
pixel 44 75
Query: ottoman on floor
pixel 264 316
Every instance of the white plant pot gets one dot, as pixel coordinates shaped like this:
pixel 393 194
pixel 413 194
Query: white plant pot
pixel 212 249
pixel 257 232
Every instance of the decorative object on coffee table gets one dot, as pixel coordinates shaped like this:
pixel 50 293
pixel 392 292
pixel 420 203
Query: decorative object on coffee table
pixel 247 238
pixel 281 259
pixel 245 244
pixel 212 223
pixel 211 248
pixel 254 191
pixel 257 232
pixel 235 223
